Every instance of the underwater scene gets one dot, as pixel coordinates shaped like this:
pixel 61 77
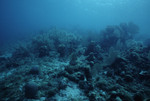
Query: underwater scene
pixel 75 50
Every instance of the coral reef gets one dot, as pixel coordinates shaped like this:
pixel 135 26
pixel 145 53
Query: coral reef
pixel 57 65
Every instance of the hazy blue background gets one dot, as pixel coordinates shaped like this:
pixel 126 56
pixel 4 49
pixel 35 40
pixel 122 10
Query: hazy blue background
pixel 19 16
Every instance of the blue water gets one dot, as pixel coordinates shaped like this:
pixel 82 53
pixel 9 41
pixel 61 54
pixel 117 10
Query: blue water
pixel 23 16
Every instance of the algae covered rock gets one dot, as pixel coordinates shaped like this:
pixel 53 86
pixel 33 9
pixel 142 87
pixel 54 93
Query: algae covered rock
pixel 35 70
pixel 128 78
pixel 31 90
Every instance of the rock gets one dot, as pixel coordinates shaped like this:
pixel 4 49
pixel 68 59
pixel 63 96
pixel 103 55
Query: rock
pixel 69 69
pixel 144 75
pixel 31 89
pixel 62 83
pixel 92 96
pixel 91 57
pixel 43 51
pixel 35 70
pixel 128 78
pixel 102 85
pixel 73 60
pixel 2 58
pixel 61 50
pixel 134 56
pixel 79 75
pixel 87 73
pixel 52 92
pixel 12 64
pixel 91 48
pixel 147 99
pixel 138 97
pixel 118 99
pixel 86 86
pixel 76 73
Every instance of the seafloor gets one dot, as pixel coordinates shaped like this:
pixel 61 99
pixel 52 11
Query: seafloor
pixel 60 65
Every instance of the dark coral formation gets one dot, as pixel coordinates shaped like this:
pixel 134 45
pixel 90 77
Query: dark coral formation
pixel 55 64
pixel 31 89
